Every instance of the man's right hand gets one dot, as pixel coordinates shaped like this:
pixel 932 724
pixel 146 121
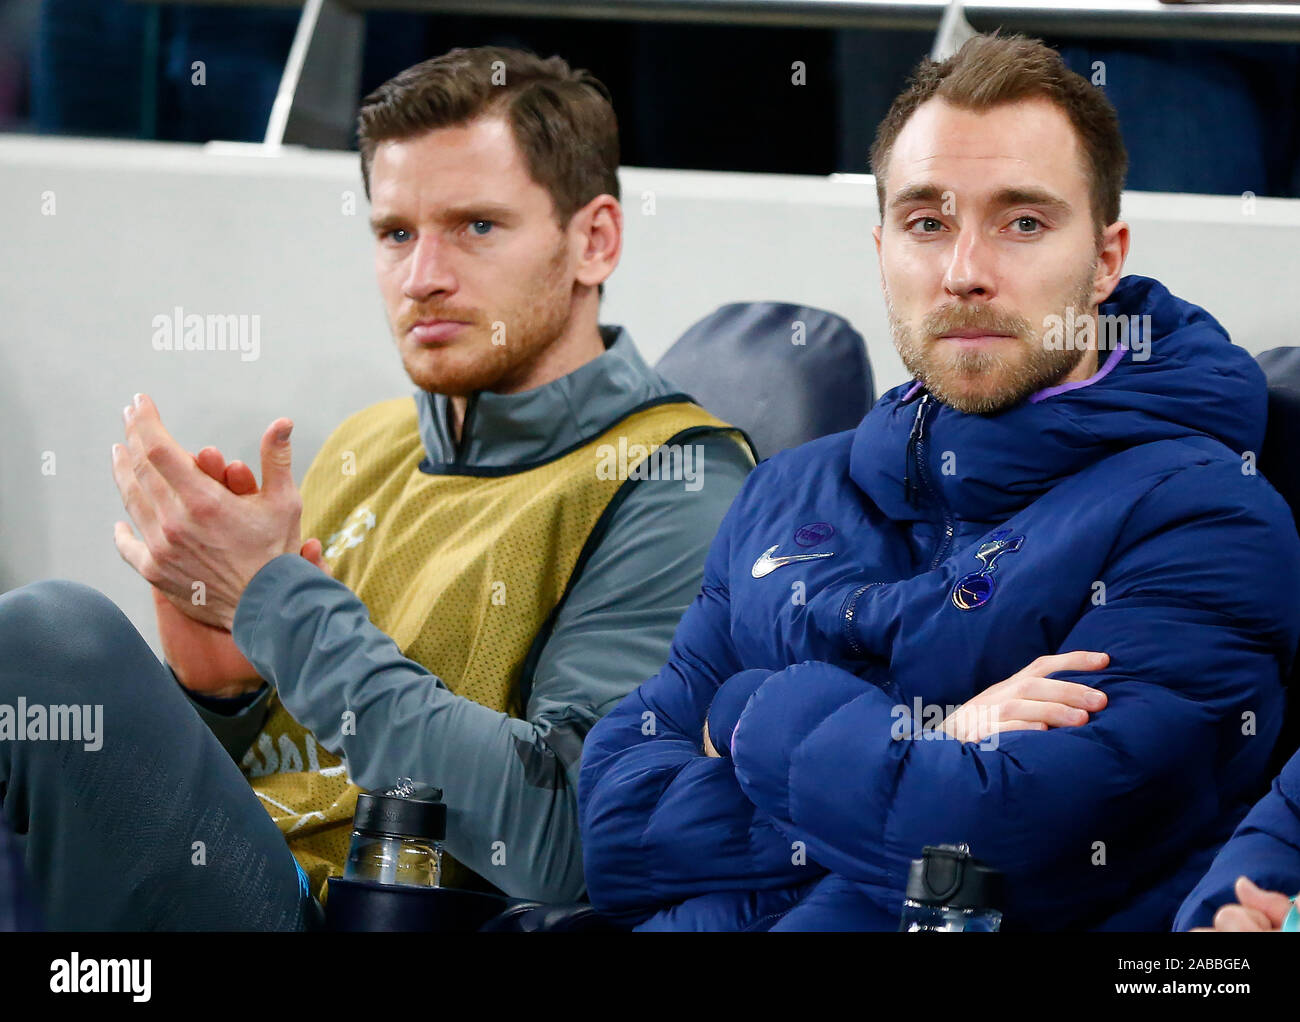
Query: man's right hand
pixel 205 658
pixel 1031 701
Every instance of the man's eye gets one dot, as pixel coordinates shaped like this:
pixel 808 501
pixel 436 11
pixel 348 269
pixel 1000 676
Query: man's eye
pixel 931 225
pixel 393 234
pixel 1033 222
pixel 480 227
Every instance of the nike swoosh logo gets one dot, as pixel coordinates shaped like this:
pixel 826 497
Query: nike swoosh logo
pixel 766 564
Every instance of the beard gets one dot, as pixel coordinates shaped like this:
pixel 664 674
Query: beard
pixel 998 376
pixel 494 350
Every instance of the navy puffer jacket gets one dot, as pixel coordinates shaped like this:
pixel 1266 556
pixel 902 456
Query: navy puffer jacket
pixel 936 553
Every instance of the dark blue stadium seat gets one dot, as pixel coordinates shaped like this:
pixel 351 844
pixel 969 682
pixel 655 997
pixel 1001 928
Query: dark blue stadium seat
pixel 783 373
pixel 1280 463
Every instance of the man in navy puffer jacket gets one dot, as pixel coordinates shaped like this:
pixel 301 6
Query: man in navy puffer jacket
pixel 876 595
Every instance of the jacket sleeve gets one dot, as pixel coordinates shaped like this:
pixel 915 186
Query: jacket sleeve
pixel 661 822
pixel 509 784
pixel 1265 848
pixel 1199 623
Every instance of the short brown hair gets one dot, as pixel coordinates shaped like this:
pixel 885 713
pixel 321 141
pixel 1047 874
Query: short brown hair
pixel 562 119
pixel 990 70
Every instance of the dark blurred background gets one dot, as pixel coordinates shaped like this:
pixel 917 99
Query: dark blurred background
pixel 1198 116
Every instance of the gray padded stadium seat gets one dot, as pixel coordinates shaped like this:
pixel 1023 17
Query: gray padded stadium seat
pixel 783 373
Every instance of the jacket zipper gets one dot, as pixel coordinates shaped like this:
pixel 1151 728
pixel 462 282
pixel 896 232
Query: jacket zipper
pixel 847 617
pixel 917 443
pixel 909 458
pixel 916 468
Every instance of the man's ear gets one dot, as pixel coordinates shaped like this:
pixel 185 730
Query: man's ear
pixel 597 233
pixel 1110 260
pixel 876 232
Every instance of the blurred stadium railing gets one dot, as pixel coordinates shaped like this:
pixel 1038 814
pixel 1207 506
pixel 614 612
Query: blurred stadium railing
pixel 317 98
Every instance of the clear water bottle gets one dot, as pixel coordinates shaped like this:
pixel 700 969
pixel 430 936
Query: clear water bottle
pixel 950 891
pixel 397 836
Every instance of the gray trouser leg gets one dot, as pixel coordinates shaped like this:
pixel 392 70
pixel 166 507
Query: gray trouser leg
pixel 154 829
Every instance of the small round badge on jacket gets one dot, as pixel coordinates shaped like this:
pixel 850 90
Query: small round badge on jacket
pixel 813 533
pixel 976 589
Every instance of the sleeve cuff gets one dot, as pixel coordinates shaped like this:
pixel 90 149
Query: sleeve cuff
pixel 235 724
pixel 225 706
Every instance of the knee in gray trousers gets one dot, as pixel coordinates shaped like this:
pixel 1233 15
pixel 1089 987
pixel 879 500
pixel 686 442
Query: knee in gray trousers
pixel 135 817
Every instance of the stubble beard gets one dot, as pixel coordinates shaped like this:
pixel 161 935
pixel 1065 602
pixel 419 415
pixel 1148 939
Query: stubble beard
pixel 983 381
pixel 533 323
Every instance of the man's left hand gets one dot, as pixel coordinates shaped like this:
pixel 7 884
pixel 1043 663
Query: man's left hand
pixel 194 529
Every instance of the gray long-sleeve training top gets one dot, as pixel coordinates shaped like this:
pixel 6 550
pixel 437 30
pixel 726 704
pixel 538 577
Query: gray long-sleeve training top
pixel 311 638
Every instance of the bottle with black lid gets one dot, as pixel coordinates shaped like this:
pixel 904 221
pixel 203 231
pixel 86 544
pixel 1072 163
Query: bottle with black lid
pixel 397 836
pixel 950 891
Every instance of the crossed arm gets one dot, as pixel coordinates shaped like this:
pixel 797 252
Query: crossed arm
pixel 1193 643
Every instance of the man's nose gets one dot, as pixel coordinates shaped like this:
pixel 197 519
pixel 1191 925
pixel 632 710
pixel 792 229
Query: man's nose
pixel 970 267
pixel 430 269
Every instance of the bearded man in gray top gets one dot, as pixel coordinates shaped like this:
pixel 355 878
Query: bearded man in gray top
pixel 495 215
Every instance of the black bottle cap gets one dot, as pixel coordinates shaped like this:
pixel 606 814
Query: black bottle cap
pixel 949 876
pixel 407 810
